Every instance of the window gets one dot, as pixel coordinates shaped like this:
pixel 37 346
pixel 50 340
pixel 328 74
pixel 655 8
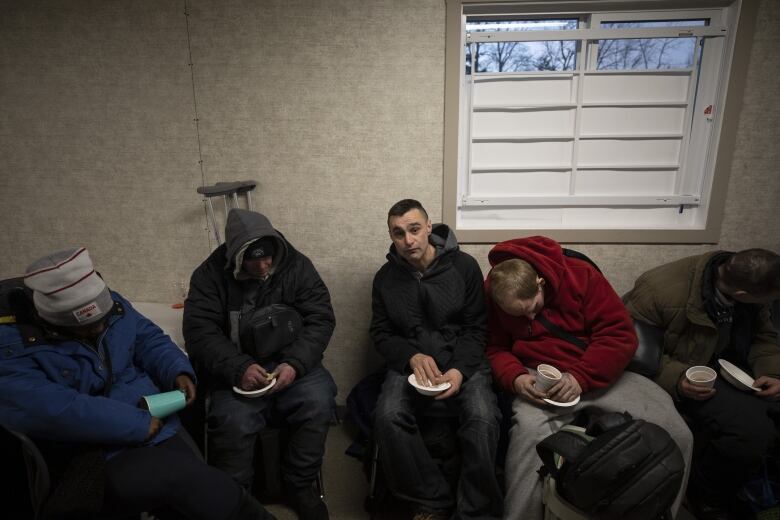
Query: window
pixel 587 125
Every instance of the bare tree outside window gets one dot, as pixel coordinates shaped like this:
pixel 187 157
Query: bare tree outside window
pixel 500 57
pixel 647 53
pixel 561 55
pixel 558 55
pixel 522 56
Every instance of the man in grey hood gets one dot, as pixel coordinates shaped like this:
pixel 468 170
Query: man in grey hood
pixel 236 351
pixel 428 324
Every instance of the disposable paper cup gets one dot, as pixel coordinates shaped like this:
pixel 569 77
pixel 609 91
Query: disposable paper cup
pixel 701 376
pixel 546 377
pixel 163 405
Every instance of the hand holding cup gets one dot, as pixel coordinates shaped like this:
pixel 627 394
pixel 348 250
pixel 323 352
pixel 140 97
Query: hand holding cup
pixel 697 383
pixel 701 376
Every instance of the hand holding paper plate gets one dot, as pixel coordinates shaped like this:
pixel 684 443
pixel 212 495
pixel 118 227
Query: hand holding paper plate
pixel 255 393
pixel 428 390
pixel 736 376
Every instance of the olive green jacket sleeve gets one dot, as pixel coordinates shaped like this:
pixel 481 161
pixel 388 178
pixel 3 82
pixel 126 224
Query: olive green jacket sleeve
pixel 647 303
pixel 764 357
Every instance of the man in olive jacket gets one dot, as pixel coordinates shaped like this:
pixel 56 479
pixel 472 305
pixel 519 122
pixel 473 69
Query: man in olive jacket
pixel 256 268
pixel 714 306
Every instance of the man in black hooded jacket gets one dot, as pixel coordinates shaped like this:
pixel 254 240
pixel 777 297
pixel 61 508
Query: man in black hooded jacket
pixel 429 320
pixel 256 268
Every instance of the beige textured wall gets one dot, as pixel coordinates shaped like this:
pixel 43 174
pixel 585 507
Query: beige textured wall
pixel 335 107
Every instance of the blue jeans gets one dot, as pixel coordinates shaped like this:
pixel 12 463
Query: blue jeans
pixel 411 473
pixel 307 407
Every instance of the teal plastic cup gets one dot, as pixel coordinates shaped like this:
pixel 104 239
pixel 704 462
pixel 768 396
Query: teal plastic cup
pixel 164 404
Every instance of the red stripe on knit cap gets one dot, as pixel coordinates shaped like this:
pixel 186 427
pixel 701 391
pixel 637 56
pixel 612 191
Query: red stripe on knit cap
pixel 70 285
pixel 57 266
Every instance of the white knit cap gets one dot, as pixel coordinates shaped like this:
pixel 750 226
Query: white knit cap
pixel 66 289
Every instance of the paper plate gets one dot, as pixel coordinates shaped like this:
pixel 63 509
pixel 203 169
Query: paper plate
pixel 427 390
pixel 736 376
pixel 255 393
pixel 558 403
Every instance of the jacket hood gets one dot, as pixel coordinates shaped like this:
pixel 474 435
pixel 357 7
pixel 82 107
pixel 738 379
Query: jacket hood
pixel 244 227
pixel 441 237
pixel 543 253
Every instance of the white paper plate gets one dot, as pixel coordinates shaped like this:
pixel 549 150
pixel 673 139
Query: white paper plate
pixel 255 393
pixel 427 390
pixel 558 403
pixel 736 376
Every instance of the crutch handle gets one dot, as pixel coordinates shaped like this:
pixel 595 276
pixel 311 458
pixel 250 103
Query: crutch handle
pixel 226 188
pixel 220 188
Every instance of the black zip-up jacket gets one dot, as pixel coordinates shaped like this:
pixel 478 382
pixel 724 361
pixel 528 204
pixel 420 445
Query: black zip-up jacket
pixel 440 313
pixel 218 290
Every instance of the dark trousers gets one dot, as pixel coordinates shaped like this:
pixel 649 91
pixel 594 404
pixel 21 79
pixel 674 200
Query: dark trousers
pixel 733 433
pixel 307 406
pixel 171 476
pixel 411 472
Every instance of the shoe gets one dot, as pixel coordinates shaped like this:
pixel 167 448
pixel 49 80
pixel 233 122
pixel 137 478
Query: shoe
pixel 430 515
pixel 250 509
pixel 706 511
pixel 307 503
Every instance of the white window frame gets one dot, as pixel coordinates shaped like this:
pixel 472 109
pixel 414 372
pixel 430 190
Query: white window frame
pixel 701 191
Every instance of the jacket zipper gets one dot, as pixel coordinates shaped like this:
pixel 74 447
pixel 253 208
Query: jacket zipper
pixel 104 357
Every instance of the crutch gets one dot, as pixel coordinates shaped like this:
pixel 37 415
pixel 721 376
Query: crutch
pixel 229 191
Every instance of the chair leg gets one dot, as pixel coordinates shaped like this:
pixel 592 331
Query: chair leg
pixel 206 408
pixel 374 464
pixel 321 484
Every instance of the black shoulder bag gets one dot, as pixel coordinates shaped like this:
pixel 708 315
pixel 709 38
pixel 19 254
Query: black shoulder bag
pixel 265 331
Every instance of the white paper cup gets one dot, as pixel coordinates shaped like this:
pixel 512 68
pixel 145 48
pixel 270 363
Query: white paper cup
pixel 546 377
pixel 701 376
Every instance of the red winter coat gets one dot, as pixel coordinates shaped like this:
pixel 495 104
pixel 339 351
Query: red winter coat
pixel 579 300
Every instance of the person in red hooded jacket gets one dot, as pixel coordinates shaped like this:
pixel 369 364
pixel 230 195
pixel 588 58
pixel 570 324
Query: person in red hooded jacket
pixel 548 308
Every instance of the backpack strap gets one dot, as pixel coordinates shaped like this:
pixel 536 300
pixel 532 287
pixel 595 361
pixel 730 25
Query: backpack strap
pixel 559 332
pixel 608 421
pixel 571 253
pixel 568 442
pixel 234 300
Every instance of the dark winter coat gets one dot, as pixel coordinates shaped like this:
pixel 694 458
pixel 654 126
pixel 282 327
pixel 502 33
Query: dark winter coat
pixel 440 313
pixel 218 290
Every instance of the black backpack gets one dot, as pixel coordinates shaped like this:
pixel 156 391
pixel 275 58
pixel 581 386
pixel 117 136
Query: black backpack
pixel 618 468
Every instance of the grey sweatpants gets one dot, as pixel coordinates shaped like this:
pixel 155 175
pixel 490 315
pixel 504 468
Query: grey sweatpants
pixel 633 393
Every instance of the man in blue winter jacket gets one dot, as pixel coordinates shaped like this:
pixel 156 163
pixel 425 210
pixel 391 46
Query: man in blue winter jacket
pixel 75 360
